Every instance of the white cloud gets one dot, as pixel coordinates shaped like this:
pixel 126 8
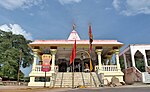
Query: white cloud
pixel 116 4
pixel 31 14
pixel 108 8
pixel 133 7
pixel 16 29
pixel 14 4
pixel 69 1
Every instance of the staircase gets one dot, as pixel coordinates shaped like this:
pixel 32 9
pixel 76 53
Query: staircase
pixel 64 79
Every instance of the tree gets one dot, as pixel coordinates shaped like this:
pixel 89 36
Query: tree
pixel 10 45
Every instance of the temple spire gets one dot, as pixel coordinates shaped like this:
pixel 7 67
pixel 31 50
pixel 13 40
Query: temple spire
pixel 73 35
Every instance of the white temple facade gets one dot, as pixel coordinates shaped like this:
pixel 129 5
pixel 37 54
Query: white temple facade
pixel 134 55
pixel 102 54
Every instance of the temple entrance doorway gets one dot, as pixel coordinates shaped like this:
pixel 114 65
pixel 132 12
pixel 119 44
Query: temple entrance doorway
pixel 81 63
pixel 84 60
pixel 62 67
pixel 62 64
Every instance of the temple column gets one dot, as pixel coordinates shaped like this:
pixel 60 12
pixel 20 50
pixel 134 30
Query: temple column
pixel 132 56
pixel 145 59
pixel 99 52
pixel 125 60
pixel 117 59
pixel 35 54
pixel 53 52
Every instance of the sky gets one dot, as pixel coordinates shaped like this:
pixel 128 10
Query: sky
pixel 127 21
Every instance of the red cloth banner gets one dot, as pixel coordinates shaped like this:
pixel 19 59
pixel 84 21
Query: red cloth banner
pixel 73 55
pixel 46 58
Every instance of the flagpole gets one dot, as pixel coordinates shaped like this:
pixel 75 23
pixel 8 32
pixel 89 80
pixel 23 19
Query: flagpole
pixel 73 74
pixel 45 80
pixel 90 70
pixel 90 50
pixel 73 58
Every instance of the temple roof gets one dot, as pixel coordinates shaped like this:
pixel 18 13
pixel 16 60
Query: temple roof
pixel 78 42
pixel 74 35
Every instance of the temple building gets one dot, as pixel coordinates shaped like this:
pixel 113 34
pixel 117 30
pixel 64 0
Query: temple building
pixel 136 59
pixel 104 56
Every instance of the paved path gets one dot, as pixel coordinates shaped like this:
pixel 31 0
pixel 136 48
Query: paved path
pixel 139 88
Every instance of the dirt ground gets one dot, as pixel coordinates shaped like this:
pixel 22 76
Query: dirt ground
pixel 24 90
pixel 29 89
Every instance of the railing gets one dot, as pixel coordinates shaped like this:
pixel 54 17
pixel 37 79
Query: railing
pixel 14 83
pixel 107 67
pixel 96 67
pixel 38 68
pixel 56 68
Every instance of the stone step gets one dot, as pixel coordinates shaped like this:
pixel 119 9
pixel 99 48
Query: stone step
pixel 65 79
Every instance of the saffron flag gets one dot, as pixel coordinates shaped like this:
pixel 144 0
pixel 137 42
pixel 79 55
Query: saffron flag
pixel 90 37
pixel 90 45
pixel 91 66
pixel 73 55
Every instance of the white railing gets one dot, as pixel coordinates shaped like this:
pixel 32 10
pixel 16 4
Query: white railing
pixel 38 68
pixel 56 68
pixel 96 67
pixel 109 68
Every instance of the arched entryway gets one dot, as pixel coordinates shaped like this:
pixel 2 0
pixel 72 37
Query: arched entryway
pixel 139 61
pixel 148 56
pixel 83 60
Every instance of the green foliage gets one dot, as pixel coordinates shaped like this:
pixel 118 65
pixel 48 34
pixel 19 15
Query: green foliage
pixel 140 64
pixel 12 47
pixel 122 65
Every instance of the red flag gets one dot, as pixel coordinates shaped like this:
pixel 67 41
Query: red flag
pixel 73 55
pixel 90 37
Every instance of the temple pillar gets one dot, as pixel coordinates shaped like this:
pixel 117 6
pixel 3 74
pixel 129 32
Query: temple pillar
pixel 35 54
pixel 117 59
pixel 125 60
pixel 132 56
pixel 99 52
pixel 145 59
pixel 53 52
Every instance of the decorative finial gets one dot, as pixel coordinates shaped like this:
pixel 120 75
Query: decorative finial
pixel 73 26
pixel 90 24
